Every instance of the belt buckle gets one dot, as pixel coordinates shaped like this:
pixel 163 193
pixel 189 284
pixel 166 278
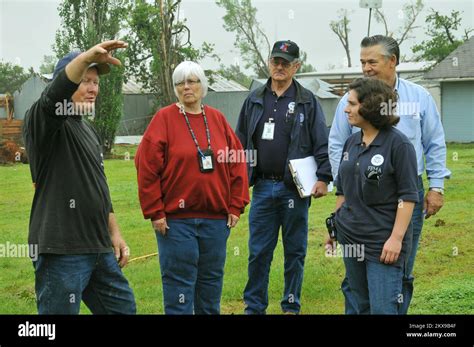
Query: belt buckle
pixel 276 178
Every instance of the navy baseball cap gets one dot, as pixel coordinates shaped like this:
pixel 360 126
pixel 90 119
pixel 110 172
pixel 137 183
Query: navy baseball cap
pixel 287 50
pixel 102 69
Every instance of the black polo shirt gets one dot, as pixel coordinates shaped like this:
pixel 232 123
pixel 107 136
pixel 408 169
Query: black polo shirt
pixel 272 154
pixel 374 180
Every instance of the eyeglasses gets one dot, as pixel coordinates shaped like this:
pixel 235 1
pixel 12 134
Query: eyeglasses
pixel 284 63
pixel 190 83
pixel 88 82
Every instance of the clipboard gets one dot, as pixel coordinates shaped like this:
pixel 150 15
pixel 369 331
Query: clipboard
pixel 304 175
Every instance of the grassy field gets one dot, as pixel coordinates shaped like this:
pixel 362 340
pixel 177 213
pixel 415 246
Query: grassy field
pixel 444 270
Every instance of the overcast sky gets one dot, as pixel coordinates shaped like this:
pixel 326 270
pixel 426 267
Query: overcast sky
pixel 28 27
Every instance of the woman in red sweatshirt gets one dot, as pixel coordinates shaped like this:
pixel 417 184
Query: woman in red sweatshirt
pixel 193 185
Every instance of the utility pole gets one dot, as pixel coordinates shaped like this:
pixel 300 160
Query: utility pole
pixel 370 4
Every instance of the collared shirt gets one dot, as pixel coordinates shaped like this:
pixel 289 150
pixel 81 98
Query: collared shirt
pixel 419 121
pixel 273 153
pixel 375 180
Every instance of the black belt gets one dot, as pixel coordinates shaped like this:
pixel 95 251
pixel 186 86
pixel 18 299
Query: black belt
pixel 272 177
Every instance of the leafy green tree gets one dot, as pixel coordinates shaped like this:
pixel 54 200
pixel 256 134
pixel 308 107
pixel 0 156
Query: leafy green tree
pixel 442 32
pixel 233 72
pixel 158 41
pixel 250 38
pixel 49 62
pixel 305 66
pixel 12 77
pixel 86 23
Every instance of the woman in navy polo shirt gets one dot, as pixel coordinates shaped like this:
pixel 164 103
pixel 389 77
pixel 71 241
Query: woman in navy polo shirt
pixel 376 193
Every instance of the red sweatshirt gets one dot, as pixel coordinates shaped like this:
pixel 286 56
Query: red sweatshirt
pixel 170 183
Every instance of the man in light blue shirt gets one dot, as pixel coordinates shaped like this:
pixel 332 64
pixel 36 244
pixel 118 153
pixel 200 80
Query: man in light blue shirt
pixel 420 122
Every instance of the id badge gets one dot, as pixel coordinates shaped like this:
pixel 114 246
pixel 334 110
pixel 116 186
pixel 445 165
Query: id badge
pixel 268 130
pixel 206 161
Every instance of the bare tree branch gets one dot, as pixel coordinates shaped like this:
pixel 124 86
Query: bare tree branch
pixel 341 28
pixel 380 17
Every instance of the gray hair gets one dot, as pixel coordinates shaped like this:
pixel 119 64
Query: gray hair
pixel 187 69
pixel 389 45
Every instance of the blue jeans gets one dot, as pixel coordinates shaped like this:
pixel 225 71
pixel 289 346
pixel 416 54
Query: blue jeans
pixel 192 258
pixel 407 286
pixel 375 287
pixel 274 206
pixel 63 281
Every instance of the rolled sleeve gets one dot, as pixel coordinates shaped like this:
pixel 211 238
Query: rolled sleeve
pixel 434 144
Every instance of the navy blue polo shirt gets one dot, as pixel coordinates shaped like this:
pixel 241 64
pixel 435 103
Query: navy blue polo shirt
pixel 272 154
pixel 374 180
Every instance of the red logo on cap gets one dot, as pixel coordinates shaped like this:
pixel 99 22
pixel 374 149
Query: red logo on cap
pixel 284 47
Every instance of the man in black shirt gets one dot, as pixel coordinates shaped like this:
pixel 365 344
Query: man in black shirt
pixel 282 121
pixel 72 222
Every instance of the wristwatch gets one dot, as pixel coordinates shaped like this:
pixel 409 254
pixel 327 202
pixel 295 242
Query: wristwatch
pixel 438 190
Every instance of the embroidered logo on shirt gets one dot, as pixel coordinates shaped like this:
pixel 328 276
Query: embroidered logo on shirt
pixel 377 160
pixel 291 108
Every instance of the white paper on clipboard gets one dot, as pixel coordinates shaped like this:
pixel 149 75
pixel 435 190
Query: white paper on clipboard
pixel 304 175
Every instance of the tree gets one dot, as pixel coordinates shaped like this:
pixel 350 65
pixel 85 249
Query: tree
pixel 251 40
pixel 341 28
pixel 12 77
pixel 408 14
pixel 48 65
pixel 305 66
pixel 442 32
pixel 234 73
pixel 86 23
pixel 158 42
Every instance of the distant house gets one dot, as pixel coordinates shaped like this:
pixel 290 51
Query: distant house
pixel 323 91
pixel 456 76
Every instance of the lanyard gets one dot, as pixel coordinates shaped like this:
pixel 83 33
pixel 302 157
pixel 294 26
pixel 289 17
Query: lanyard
pixel 181 108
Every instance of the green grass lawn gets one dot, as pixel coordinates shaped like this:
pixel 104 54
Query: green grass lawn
pixel 444 269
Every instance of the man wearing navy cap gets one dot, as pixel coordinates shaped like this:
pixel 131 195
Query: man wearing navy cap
pixel 72 222
pixel 281 121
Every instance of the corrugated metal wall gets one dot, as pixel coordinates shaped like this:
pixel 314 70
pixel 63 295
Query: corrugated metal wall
pixel 229 103
pixel 457 104
pixel 138 109
pixel 27 95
